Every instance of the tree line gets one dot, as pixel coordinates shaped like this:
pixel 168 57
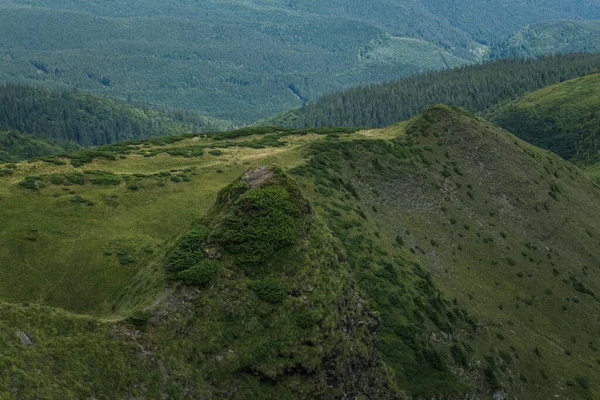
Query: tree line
pixel 476 88
pixel 90 120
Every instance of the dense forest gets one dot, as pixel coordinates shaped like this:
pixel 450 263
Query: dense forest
pixel 475 87
pixel 244 60
pixel 90 120
pixel 551 37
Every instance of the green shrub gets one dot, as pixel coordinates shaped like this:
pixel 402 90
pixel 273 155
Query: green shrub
pixel 399 240
pixel 269 290
pixel 138 318
pixel 106 179
pixel 260 221
pixel 30 182
pixel 306 317
pixel 76 178
pixel 187 252
pixel 200 274
pixel 215 152
pixel 175 179
pixel 57 179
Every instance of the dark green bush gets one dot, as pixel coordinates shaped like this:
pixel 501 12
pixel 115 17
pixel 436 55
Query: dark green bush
pixel 106 179
pixel 260 222
pixel 30 182
pixel 200 274
pixel 76 178
pixel 306 317
pixel 187 252
pixel 138 318
pixel 269 290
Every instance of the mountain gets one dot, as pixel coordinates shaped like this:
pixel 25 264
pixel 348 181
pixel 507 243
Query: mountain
pixel 563 118
pixel 441 257
pixel 71 117
pixel 476 88
pixel 245 60
pixel 553 37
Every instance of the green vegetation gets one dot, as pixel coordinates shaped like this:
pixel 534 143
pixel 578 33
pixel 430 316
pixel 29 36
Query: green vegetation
pixel 563 118
pixel 245 60
pixel 261 222
pixel 15 146
pixel 476 88
pixel 71 117
pixel 508 180
pixel 440 257
pixel 550 37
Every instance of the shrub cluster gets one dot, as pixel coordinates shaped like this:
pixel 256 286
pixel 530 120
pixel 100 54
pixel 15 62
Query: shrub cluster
pixel 200 274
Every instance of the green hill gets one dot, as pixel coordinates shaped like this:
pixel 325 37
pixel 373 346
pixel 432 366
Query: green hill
pixel 553 37
pixel 15 146
pixel 476 88
pixel 244 60
pixel 564 118
pixel 438 258
pixel 73 118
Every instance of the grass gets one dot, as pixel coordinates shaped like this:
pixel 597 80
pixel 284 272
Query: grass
pixel 386 273
pixel 72 236
pixel 509 178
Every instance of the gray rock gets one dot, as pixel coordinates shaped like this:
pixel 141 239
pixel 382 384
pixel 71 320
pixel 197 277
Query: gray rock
pixel 500 395
pixel 24 338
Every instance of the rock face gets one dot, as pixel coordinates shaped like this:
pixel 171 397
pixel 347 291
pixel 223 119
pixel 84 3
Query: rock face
pixel 24 338
pixel 500 395
pixel 256 178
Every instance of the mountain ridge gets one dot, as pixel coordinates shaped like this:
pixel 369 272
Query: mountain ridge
pixel 470 254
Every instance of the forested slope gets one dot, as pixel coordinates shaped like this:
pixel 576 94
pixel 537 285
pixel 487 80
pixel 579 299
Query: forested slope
pixel 89 120
pixel 476 88
pixel 16 146
pixel 551 37
pixel 244 60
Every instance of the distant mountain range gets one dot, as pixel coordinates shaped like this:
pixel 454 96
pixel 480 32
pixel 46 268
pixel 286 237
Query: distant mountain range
pixel 243 60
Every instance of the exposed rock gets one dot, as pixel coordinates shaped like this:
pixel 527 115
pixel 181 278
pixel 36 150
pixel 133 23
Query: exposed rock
pixel 500 395
pixel 24 338
pixel 256 178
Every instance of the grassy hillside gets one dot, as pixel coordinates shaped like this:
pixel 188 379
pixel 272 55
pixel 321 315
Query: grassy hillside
pixel 440 257
pixel 244 60
pixel 553 37
pixel 72 118
pixel 564 118
pixel 476 88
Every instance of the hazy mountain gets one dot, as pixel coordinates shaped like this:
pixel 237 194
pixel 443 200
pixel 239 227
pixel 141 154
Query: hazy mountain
pixel 242 60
